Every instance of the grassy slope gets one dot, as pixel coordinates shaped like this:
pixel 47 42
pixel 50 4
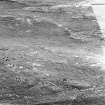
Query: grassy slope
pixel 46 54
